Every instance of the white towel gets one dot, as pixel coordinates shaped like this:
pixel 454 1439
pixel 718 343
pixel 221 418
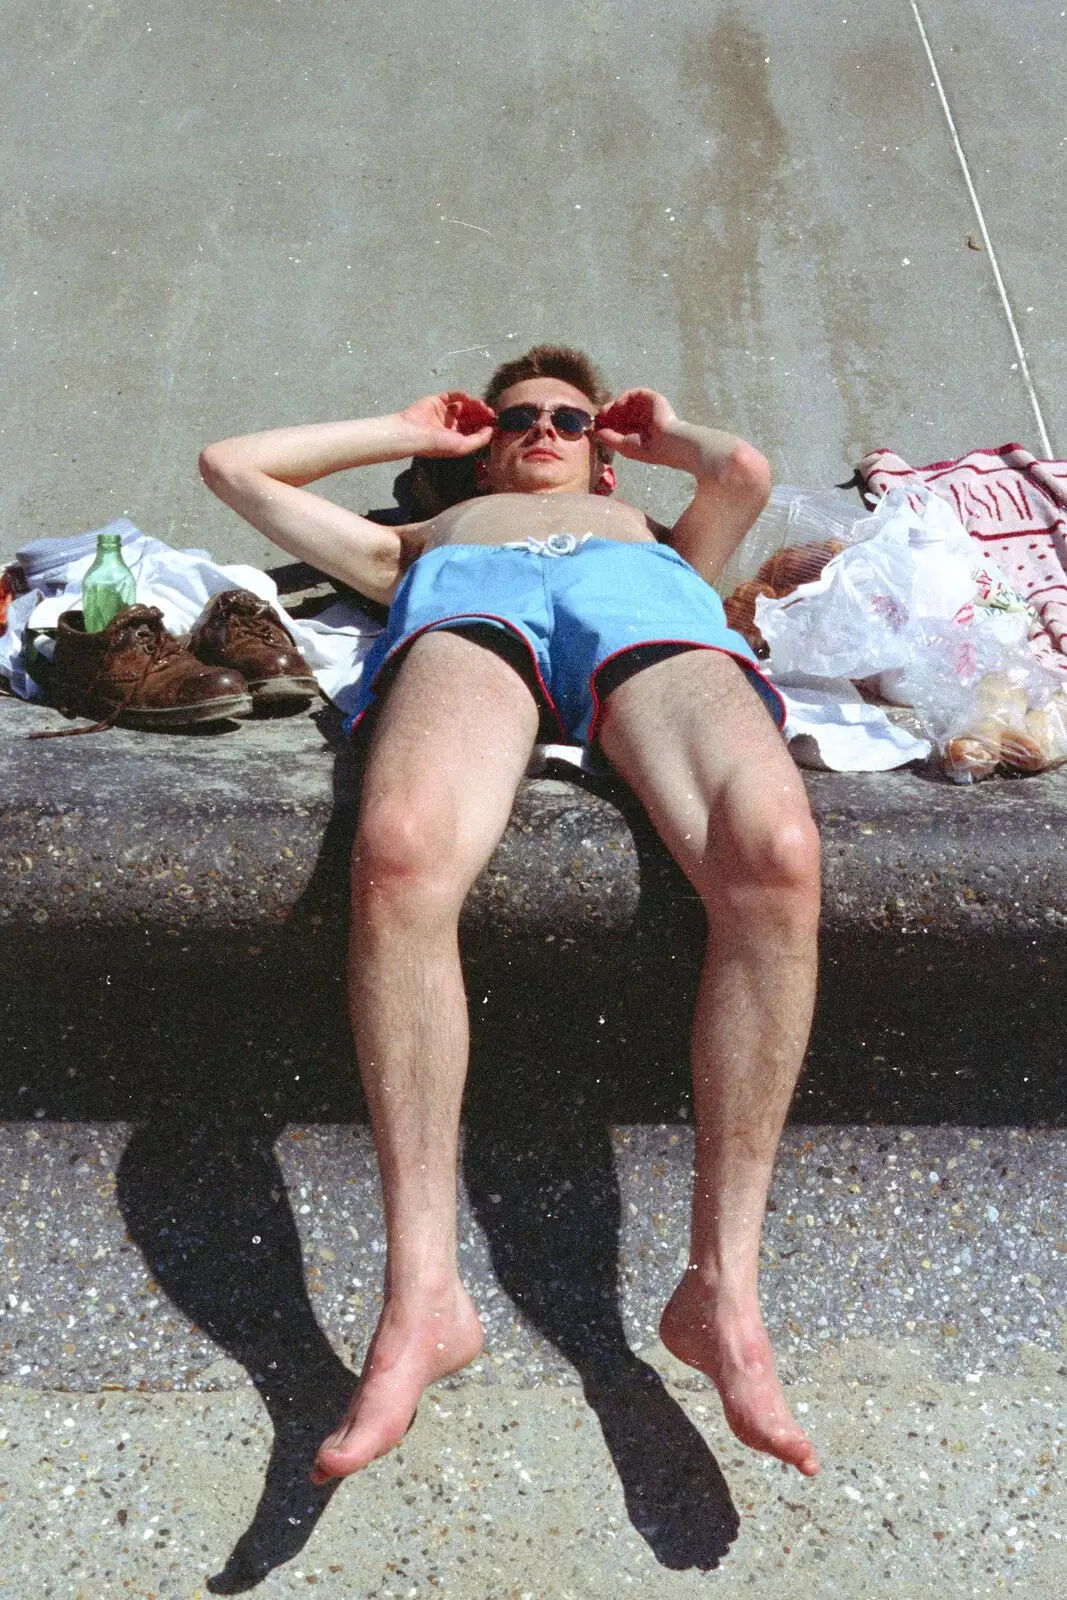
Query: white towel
pixel 180 583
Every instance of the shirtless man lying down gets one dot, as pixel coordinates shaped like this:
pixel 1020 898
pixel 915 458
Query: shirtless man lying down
pixel 544 598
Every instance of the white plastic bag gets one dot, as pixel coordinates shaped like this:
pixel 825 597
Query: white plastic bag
pixel 889 603
pixel 912 610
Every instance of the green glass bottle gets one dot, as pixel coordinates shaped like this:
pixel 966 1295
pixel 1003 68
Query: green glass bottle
pixel 108 586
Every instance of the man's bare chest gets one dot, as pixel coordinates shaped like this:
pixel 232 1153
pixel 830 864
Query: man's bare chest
pixel 508 518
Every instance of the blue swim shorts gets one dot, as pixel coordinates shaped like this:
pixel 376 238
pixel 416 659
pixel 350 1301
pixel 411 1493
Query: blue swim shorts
pixel 576 604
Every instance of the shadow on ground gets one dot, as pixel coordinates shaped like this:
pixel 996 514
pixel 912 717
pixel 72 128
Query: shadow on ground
pixel 205 1202
pixel 211 1048
pixel 207 1207
pixel 545 1192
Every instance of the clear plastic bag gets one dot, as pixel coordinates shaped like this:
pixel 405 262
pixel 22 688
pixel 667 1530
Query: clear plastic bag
pixel 911 611
pixel 795 516
pixel 1011 719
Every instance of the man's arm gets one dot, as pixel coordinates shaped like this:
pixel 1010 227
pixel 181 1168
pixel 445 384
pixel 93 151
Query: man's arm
pixel 262 477
pixel 733 481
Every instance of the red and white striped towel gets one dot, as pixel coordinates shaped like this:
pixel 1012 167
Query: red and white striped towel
pixel 1015 508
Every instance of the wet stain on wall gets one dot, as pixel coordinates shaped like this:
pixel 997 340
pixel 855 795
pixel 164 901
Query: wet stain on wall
pixel 758 235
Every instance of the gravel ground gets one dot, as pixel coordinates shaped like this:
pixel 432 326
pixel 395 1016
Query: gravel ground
pixel 119 1248
pixel 183 1310
pixel 509 1493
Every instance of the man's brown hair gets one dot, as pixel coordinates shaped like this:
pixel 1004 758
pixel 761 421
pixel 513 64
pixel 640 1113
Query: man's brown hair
pixel 550 361
pixel 560 361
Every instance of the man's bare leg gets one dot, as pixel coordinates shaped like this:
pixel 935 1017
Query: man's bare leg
pixel 453 741
pixel 691 737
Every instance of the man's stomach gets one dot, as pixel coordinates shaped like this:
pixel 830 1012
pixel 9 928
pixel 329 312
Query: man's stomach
pixel 507 518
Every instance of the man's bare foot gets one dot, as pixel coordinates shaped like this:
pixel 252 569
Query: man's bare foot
pixel 730 1346
pixel 410 1350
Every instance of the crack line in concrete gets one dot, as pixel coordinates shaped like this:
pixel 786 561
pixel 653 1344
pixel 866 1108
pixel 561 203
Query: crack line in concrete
pixel 1024 365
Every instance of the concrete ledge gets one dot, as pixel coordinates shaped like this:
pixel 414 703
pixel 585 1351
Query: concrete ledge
pixel 204 879
pixel 227 832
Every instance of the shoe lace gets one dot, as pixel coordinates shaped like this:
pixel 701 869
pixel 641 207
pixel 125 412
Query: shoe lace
pixel 159 647
pixel 262 627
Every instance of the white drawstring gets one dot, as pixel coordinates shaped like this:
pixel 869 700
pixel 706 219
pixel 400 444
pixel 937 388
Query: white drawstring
pixel 557 544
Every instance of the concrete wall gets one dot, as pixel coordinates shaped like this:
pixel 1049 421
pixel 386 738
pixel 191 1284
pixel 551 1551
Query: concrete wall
pixel 223 217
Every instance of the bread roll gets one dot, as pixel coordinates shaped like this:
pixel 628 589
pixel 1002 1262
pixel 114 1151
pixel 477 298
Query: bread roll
pixel 740 608
pixel 966 759
pixel 1001 700
pixel 1017 750
pixel 787 569
pixel 1048 729
pixel 1021 752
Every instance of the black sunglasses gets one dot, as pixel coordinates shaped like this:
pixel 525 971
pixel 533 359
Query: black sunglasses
pixel 570 422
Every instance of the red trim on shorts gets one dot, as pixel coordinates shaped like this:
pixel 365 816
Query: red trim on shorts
pixel 443 625
pixel 747 667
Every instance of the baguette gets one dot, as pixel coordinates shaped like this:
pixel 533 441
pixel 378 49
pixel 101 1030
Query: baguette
pixel 740 609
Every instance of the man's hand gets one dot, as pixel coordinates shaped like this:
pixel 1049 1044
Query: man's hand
pixel 454 424
pixel 733 479
pixel 637 424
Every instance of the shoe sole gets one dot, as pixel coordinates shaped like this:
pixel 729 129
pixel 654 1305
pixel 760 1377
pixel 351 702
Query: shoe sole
pixel 149 719
pixel 272 694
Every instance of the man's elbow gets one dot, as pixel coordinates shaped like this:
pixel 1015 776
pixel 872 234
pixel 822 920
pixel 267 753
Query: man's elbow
pixel 215 466
pixel 748 474
pixel 226 471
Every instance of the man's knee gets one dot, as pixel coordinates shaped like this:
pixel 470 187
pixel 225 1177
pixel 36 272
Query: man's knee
pixel 407 849
pixel 771 857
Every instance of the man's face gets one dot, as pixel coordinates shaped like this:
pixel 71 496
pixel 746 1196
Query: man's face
pixel 541 460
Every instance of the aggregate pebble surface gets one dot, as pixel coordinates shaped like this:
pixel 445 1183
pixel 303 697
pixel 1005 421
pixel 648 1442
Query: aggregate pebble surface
pixel 181 1325
pixel 955 1236
pixel 517 1494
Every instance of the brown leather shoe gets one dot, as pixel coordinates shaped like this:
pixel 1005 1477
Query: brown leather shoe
pixel 138 675
pixel 238 629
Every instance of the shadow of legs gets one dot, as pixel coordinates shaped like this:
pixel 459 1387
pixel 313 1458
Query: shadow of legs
pixel 542 1184
pixel 208 1209
pixel 676 1495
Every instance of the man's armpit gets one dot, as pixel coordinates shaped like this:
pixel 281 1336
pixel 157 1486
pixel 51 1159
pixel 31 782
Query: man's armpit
pixel 411 547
